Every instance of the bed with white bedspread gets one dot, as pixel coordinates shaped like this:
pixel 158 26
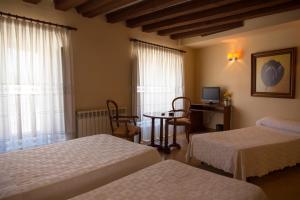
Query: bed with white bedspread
pixel 271 145
pixel 64 170
pixel 172 180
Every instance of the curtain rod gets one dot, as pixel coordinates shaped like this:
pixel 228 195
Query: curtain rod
pixel 136 40
pixel 36 20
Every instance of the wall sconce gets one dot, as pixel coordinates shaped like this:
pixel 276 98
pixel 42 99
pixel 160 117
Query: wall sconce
pixel 233 56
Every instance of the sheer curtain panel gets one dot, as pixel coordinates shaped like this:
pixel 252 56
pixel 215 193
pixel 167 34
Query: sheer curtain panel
pixel 157 80
pixel 36 101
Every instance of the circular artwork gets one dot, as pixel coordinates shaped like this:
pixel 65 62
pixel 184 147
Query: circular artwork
pixel 272 73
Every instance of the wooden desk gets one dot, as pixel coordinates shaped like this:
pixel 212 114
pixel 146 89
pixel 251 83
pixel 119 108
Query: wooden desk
pixel 197 111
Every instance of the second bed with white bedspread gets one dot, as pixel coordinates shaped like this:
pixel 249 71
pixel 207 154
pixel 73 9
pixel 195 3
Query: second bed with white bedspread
pixel 246 152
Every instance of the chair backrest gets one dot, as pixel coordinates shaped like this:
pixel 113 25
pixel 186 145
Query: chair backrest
pixel 113 113
pixel 186 104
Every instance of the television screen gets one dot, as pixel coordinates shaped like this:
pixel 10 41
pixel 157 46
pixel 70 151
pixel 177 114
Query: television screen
pixel 211 94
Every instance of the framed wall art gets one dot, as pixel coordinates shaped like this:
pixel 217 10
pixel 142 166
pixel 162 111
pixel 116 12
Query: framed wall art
pixel 273 73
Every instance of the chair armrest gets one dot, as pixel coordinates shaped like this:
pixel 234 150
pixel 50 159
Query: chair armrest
pixel 180 110
pixel 187 112
pixel 129 117
pixel 124 120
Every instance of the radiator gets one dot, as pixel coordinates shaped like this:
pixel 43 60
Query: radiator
pixel 91 122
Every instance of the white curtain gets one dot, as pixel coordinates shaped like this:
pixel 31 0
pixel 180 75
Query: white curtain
pixel 157 80
pixel 36 101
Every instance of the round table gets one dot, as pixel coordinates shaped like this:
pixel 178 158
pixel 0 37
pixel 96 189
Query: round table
pixel 167 116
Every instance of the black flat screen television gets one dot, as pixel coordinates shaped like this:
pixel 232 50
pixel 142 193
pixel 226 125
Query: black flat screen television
pixel 211 94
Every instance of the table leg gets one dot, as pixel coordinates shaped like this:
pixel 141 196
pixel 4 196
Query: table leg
pixel 166 147
pixel 161 134
pixel 174 132
pixel 175 144
pixel 152 131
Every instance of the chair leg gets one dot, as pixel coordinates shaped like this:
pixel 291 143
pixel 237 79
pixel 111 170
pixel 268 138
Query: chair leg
pixel 140 137
pixel 187 136
pixel 187 132
pixel 174 133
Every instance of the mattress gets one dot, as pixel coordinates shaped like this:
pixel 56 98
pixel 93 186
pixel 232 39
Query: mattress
pixel 172 180
pixel 246 152
pixel 63 170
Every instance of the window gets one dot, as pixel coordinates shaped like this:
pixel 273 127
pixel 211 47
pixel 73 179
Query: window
pixel 157 79
pixel 32 83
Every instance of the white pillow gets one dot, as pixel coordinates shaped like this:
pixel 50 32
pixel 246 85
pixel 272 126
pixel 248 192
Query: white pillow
pixel 281 124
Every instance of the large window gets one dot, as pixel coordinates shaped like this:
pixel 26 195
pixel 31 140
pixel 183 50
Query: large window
pixel 157 79
pixel 32 80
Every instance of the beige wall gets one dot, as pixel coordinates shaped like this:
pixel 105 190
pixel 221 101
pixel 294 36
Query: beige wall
pixel 102 69
pixel 213 69
pixel 101 53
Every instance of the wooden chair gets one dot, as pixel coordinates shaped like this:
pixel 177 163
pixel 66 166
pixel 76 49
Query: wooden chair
pixel 122 126
pixel 186 122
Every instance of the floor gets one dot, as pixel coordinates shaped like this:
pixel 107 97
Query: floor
pixel 278 185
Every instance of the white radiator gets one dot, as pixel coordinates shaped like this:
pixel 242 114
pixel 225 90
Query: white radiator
pixel 91 122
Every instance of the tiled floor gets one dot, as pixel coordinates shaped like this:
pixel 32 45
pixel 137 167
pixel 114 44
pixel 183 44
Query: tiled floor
pixel 279 185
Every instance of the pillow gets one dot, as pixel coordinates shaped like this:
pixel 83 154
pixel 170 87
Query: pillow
pixel 281 124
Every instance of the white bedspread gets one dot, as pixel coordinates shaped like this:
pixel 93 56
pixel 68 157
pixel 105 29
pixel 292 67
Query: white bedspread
pixel 63 170
pixel 172 180
pixel 252 151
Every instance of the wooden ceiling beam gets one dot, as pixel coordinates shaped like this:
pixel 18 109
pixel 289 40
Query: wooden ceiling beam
pixel 220 12
pixel 177 10
pixel 234 18
pixel 142 8
pixel 196 26
pixel 91 5
pixel 68 4
pixel 33 1
pixel 208 31
pixel 103 7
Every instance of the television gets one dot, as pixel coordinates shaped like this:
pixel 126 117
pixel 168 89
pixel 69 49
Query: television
pixel 211 94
